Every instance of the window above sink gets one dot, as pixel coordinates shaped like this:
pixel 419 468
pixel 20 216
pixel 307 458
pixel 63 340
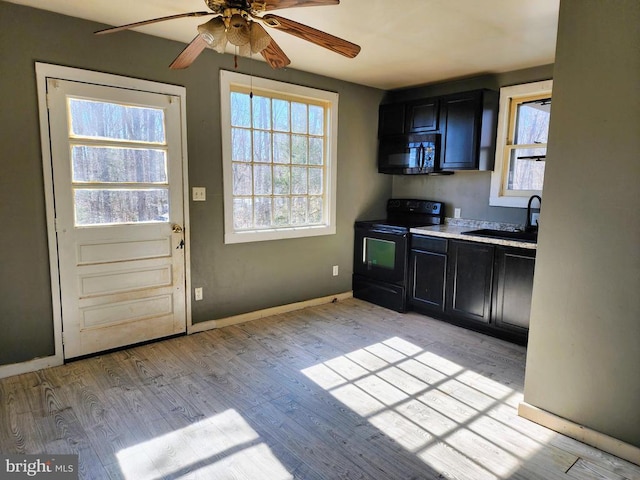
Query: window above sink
pixel 521 146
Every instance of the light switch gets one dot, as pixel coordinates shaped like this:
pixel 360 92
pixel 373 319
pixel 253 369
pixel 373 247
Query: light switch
pixel 199 194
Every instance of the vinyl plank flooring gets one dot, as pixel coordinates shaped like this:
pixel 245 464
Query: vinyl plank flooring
pixel 346 390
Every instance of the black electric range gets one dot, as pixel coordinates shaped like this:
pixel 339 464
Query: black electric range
pixel 381 251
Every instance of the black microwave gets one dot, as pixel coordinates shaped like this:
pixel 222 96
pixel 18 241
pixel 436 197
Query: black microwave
pixel 416 154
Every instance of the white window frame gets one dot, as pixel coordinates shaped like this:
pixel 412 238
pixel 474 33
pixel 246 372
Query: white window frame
pixel 499 196
pixel 328 227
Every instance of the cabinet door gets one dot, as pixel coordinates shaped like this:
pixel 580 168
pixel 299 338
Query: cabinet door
pixel 391 119
pixel 514 269
pixel 460 117
pixel 422 116
pixel 469 280
pixel 428 279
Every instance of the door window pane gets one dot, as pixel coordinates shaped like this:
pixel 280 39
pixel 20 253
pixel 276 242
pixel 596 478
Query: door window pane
pixel 118 206
pixel 92 119
pixel 118 165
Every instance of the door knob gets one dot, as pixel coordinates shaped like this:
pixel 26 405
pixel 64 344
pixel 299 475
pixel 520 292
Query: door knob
pixel 177 228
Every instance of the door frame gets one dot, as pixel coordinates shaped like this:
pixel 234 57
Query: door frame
pixel 45 71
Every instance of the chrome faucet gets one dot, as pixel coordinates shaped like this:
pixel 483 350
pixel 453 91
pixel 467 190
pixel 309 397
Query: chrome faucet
pixel 528 226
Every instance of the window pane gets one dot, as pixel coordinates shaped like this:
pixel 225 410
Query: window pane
pixel 299 149
pixel 262 180
pixel 532 122
pixel 299 117
pixel 281 214
pixel 298 210
pixel 116 122
pixel 240 145
pixel 281 180
pixel 316 210
pixel 315 181
pixel 242 213
pixel 261 147
pixel 315 151
pixel 116 206
pixel 117 165
pixel 241 179
pixel 298 180
pixel 262 212
pixel 526 173
pixel 240 110
pixel 316 120
pixel 281 148
pixel 281 110
pixel 261 113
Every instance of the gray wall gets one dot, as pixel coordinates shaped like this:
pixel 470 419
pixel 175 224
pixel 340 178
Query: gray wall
pixel 584 345
pixel 236 278
pixel 466 190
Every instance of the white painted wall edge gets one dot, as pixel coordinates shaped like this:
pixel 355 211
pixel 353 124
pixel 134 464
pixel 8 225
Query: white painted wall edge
pixel 580 432
pixel 248 317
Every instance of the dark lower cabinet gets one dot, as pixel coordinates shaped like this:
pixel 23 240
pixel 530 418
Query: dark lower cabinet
pixel 429 273
pixel 514 268
pixel 480 286
pixel 469 281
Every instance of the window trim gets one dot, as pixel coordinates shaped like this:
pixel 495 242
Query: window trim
pixel 229 79
pixel 501 169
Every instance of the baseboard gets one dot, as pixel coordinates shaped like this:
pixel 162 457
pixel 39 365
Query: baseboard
pixel 30 366
pixel 247 317
pixel 580 432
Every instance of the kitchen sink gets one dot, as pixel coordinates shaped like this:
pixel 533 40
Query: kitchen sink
pixel 531 237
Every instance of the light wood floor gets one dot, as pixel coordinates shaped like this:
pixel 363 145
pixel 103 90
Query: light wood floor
pixel 343 391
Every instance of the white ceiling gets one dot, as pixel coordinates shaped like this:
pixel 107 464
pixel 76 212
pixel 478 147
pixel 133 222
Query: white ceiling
pixel 404 42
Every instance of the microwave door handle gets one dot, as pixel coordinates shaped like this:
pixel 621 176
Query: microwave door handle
pixel 421 157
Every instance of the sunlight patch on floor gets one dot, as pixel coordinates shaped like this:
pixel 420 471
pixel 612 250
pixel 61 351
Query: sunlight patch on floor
pixel 221 446
pixel 456 419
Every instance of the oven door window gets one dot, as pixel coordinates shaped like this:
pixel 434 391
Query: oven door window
pixel 379 253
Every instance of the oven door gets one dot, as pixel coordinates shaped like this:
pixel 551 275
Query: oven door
pixel 380 255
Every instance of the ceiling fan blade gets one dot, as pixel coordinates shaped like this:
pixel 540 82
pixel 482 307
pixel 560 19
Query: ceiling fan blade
pixel 153 20
pixel 274 55
pixel 189 54
pixel 266 5
pixel 323 39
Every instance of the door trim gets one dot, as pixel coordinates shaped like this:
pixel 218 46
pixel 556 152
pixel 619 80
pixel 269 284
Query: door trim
pixel 45 71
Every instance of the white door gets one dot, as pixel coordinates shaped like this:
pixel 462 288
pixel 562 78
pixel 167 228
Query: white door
pixel 117 177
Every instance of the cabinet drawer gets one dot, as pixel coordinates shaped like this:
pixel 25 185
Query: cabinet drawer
pixel 429 244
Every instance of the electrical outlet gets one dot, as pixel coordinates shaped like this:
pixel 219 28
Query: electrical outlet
pixel 199 194
pixel 198 293
pixel 457 212
pixel 335 270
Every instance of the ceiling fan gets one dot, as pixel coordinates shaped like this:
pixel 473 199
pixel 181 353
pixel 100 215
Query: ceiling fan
pixel 238 22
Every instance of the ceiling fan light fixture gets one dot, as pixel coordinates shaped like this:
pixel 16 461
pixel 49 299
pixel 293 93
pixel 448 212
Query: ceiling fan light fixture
pixel 213 33
pixel 238 31
pixel 259 38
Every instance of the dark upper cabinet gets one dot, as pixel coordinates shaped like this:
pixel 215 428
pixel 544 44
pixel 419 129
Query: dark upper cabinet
pixel 391 119
pixel 469 281
pixel 468 123
pixel 513 286
pixel 422 116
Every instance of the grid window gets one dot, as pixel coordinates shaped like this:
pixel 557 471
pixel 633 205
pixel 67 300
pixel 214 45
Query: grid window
pixel 279 174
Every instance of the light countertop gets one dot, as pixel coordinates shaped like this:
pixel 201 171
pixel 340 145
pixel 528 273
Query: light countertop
pixel 455 231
